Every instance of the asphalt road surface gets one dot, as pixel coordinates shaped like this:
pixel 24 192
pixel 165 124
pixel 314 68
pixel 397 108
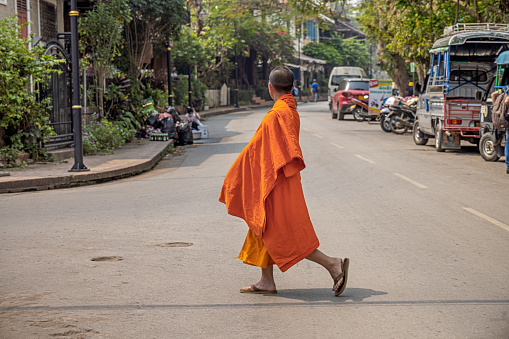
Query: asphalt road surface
pixel 427 234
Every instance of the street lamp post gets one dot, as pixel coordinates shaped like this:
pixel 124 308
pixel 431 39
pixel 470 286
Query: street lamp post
pixel 170 94
pixel 189 84
pixel 236 79
pixel 299 80
pixel 79 166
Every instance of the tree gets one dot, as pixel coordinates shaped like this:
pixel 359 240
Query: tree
pixel 101 36
pixel 405 30
pixel 256 31
pixel 339 52
pixel 154 22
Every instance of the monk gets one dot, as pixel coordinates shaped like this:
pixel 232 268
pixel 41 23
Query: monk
pixel 264 188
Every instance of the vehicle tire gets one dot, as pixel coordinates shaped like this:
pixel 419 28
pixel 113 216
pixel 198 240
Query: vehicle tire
pixel 396 127
pixel 488 147
pixel 439 147
pixel 333 114
pixel 384 124
pixel 357 114
pixel 419 137
pixel 341 115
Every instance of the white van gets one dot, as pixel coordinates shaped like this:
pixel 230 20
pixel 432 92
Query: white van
pixel 340 73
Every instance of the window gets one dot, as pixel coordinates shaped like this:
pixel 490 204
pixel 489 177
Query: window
pixel 336 79
pixel 359 86
pixel 48 21
pixel 312 30
pixel 468 74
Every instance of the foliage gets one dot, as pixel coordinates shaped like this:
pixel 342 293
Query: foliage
pixel 24 122
pixel 255 31
pixel 101 37
pixel 153 22
pixel 102 136
pixel 116 96
pixel 406 29
pixel 339 52
pixel 181 92
pixel 245 96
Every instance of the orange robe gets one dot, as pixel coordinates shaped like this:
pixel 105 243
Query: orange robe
pixel 263 188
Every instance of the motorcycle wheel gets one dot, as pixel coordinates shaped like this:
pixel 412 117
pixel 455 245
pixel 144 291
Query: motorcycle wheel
pixel 419 137
pixel 488 147
pixel 357 114
pixel 397 127
pixel 384 124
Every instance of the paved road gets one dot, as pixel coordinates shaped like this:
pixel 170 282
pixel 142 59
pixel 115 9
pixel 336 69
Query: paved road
pixel 427 234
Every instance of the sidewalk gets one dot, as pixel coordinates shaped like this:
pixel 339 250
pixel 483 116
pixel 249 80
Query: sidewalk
pixel 134 158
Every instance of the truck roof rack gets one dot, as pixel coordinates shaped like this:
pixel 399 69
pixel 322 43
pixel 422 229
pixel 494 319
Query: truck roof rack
pixel 472 27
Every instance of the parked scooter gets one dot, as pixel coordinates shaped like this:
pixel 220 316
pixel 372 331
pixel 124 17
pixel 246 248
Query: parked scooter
pixel 388 106
pixel 360 109
pixel 402 117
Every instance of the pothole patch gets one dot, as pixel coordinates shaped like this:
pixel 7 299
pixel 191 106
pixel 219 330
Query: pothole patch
pixel 175 244
pixel 111 258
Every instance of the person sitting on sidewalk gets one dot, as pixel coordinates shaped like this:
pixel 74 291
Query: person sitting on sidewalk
pixel 193 118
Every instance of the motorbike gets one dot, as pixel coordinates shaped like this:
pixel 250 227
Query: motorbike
pixel 360 109
pixel 402 117
pixel 388 106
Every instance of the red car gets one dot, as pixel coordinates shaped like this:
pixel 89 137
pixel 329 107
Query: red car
pixel 347 90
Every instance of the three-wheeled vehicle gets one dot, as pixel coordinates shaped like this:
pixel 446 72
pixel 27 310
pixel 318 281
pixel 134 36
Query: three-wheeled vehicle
pixel 462 65
pixel 492 142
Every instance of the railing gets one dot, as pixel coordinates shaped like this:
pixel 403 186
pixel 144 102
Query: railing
pixel 471 27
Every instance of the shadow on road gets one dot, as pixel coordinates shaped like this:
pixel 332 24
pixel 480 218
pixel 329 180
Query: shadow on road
pixel 325 294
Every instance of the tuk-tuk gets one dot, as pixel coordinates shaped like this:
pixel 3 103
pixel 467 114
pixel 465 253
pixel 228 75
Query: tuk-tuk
pixel 462 66
pixel 493 141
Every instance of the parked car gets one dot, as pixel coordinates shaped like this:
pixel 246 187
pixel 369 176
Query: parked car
pixel 339 73
pixel 346 91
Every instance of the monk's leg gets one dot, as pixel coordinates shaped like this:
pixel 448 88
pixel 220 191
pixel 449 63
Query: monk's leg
pixel 333 265
pixel 266 282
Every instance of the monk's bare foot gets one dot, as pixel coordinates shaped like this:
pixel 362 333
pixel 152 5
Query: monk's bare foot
pixel 335 271
pixel 255 288
pixel 263 284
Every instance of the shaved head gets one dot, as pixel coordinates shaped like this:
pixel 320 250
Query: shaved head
pixel 281 78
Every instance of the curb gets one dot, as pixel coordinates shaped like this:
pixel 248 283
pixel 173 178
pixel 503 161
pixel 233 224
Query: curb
pixel 82 178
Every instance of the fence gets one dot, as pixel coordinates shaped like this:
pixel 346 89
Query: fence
pixel 218 97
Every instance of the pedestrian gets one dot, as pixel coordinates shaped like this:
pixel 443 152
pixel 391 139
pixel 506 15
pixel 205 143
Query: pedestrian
pixel 494 95
pixel 295 92
pixel 315 87
pixel 263 187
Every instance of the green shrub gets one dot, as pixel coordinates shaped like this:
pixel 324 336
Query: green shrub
pixel 24 121
pixel 245 96
pixel 103 136
pixel 263 92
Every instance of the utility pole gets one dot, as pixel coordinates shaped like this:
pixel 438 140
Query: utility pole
pixel 79 166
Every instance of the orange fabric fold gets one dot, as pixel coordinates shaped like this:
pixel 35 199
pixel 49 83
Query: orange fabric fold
pixel 263 187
